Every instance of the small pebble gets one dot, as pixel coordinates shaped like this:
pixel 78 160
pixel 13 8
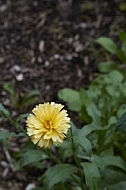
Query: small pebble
pixel 33 59
pixel 83 25
pixel 30 186
pixel 20 77
pixel 78 46
pixel 70 40
pixel 5 172
pixel 68 57
pixel 39 59
pixel 41 46
pixel 47 63
pixel 3 8
pixel 47 87
pixel 2 60
pixel 56 56
pixel 16 68
pixel 4 164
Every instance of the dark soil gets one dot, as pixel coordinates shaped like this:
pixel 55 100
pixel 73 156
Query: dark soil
pixel 49 45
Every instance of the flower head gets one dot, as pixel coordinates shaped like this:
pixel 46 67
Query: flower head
pixel 48 124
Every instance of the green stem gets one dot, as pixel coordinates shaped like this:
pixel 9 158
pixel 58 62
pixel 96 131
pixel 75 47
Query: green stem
pixel 48 152
pixel 77 161
pixel 17 125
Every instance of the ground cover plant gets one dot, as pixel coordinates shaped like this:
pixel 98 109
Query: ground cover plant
pixel 93 155
pixel 117 50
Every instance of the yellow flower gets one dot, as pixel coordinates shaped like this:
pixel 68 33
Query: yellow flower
pixel 48 124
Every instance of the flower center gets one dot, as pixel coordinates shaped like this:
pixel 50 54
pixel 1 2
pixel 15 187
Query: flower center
pixel 48 124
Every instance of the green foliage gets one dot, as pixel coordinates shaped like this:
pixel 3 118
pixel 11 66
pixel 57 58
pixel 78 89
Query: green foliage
pixel 121 124
pixel 92 175
pixel 122 7
pixel 72 97
pixel 92 157
pixel 117 186
pixel 21 102
pixel 100 108
pixel 118 52
pixel 108 44
pixel 113 179
pixel 5 113
pixel 30 156
pixel 58 173
pixel 107 66
pixel 6 134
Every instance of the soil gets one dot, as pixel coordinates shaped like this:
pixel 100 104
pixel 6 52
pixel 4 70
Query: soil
pixel 49 45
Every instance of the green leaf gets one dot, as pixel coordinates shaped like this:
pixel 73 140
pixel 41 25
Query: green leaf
pixel 122 6
pixel 123 88
pixel 85 101
pixel 98 161
pixel 87 129
pixel 4 111
pixel 91 108
pixel 31 156
pixel 117 186
pixel 22 116
pixel 112 177
pixel 114 78
pixel 6 134
pixel 112 120
pixel 122 36
pixel 66 147
pixel 38 188
pixel 107 66
pixel 114 161
pixel 94 112
pixel 58 173
pixel 71 97
pixel 12 93
pixel 121 110
pixel 9 89
pixel 31 94
pixel 64 186
pixel 83 142
pixel 121 54
pixel 85 116
pixel 84 97
pixel 108 44
pixel 29 98
pixel 92 175
pixel 121 124
pixel 113 91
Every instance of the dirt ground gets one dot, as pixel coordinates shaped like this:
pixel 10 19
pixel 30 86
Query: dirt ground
pixel 48 45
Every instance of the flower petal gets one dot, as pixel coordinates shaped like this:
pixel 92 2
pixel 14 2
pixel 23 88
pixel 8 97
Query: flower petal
pixel 48 124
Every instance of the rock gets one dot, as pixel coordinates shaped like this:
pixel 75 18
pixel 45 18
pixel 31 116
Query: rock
pixel 40 60
pixel 56 56
pixel 16 68
pixel 2 60
pixel 41 46
pixel 47 63
pixel 30 186
pixel 20 77
pixel 78 46
pixel 3 8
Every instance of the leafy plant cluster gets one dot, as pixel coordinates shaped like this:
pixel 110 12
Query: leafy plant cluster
pixel 118 51
pixel 93 156
pixel 103 148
